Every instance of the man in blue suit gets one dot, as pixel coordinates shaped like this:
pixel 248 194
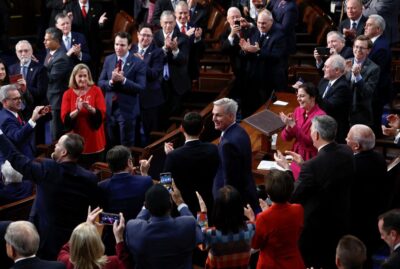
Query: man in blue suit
pixel 234 152
pixel 64 190
pixel 124 191
pixel 21 134
pixel 155 239
pixel 152 99
pixel 123 77
pixel 74 43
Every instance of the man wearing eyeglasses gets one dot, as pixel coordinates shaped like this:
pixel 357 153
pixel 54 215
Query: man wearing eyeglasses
pixel 21 134
pixel 363 75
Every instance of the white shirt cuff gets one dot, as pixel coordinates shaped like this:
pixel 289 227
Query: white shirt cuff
pixel 182 206
pixel 32 123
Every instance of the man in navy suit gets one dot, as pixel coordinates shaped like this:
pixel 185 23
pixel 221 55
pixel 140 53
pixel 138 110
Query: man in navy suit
pixel 21 134
pixel 74 43
pixel 59 67
pixel 64 190
pixel 176 81
pixel 389 228
pixel 381 55
pixel 198 14
pixel 123 77
pixel 353 26
pixel 22 243
pixel 155 239
pixel 234 153
pixel 152 98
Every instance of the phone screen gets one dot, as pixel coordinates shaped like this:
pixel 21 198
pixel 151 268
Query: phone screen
pixel 166 180
pixel 108 218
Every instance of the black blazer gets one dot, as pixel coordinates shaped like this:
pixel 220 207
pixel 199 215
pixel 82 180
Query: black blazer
pixel 393 262
pixel 199 16
pixel 36 263
pixel 359 30
pixel 161 5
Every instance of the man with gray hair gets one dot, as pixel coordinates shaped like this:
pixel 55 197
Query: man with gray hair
pixel 370 193
pixel 335 93
pixel 22 243
pixel 323 189
pixel 235 153
pixel 351 253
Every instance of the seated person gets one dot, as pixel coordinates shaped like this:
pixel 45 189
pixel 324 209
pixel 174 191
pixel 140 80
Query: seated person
pixel 13 188
pixel 298 124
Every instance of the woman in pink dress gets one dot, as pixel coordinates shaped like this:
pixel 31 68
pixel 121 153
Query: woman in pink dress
pixel 298 124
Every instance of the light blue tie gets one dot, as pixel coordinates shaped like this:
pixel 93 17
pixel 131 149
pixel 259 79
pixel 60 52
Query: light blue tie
pixel 327 89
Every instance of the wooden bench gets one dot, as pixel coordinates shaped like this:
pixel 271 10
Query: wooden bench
pixel 18 210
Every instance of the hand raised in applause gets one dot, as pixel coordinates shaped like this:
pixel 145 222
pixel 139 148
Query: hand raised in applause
pixel 145 166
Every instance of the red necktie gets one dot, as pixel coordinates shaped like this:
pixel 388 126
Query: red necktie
pixel 183 29
pixel 84 11
pixel 119 65
pixel 20 120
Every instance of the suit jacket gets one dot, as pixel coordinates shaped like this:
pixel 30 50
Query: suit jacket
pixel 323 190
pixel 127 94
pixel 56 6
pixel 6 262
pixel 36 263
pixel 163 242
pixel 154 60
pixel 58 71
pixel 64 192
pixel 78 38
pixel 178 66
pixel 187 166
pixel 235 165
pixel 285 20
pixel 161 5
pixel 389 10
pixel 336 104
pixel 15 191
pixel 199 16
pixel 345 24
pixel 363 92
pixel 393 262
pixel 21 135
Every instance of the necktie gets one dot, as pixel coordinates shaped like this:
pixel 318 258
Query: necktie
pixel 48 59
pixel 20 120
pixel 24 71
pixel 354 25
pixel 261 39
pixel 327 89
pixel 183 29
pixel 141 52
pixel 67 43
pixel 119 65
pixel 84 11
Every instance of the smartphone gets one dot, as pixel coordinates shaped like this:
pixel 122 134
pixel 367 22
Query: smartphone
pixel 323 51
pixel 237 22
pixel 108 218
pixel 166 180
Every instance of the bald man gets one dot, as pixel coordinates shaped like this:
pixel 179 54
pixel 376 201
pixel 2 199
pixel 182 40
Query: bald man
pixel 353 26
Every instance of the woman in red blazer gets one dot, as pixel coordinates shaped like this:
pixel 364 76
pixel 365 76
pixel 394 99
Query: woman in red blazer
pixel 279 226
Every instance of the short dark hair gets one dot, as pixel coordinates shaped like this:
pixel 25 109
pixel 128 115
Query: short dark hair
pixel 145 25
pixel 74 144
pixel 310 89
pixel 117 158
pixel 279 185
pixel 351 252
pixel 192 123
pixel 55 34
pixel 228 211
pixel 61 15
pixel 124 35
pixel 364 38
pixel 391 220
pixel 158 200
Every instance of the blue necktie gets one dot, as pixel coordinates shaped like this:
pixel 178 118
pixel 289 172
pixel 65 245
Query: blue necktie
pixel 327 89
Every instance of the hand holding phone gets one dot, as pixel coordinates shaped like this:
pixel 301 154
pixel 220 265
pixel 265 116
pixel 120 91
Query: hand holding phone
pixel 108 218
pixel 166 180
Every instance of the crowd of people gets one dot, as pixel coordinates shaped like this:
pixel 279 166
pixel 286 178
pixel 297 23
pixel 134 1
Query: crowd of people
pixel 336 184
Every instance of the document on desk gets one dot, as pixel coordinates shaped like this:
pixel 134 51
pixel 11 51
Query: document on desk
pixel 268 165
pixel 280 103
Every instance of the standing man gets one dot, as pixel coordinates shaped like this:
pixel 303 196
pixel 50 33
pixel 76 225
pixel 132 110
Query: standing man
pixel 335 94
pixel 152 98
pixel 234 153
pixel 353 26
pixel 64 190
pixel 176 81
pixel 59 67
pixel 123 77
pixel 323 190
pixel 389 228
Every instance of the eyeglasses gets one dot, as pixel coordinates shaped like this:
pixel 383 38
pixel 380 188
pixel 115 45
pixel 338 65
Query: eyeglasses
pixel 15 98
pixel 359 48
pixel 146 35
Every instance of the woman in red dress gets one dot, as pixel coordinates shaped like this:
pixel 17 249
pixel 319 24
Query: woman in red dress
pixel 83 111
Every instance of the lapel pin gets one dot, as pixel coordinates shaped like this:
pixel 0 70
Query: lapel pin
pixel 31 69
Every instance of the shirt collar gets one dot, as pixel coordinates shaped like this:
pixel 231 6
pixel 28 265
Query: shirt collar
pixel 14 113
pixel 27 63
pixel 86 6
pixel 23 258
pixel 373 39
pixel 123 58
pixel 224 131
pixel 141 48
pixel 356 21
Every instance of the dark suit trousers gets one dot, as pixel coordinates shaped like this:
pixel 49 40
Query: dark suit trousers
pixel 120 131
pixel 56 125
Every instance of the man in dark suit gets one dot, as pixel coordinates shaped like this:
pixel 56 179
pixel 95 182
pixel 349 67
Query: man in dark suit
pixel 234 153
pixel 351 253
pixel 33 84
pixel 59 67
pixel 155 239
pixel 123 77
pixel 389 228
pixel 160 7
pixel 371 190
pixel 353 26
pixel 20 133
pixel 64 190
pixel 124 191
pixel 323 189
pixel 363 77
pixel 176 81
pixel 198 14
pixel 335 94
pixel 22 243
pixel 264 53
pixel 187 164
pixel 152 98
pixel 381 55
pixel 74 43
pixel 55 7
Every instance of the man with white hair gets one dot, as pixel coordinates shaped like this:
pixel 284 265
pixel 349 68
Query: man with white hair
pixel 13 188
pixel 353 26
